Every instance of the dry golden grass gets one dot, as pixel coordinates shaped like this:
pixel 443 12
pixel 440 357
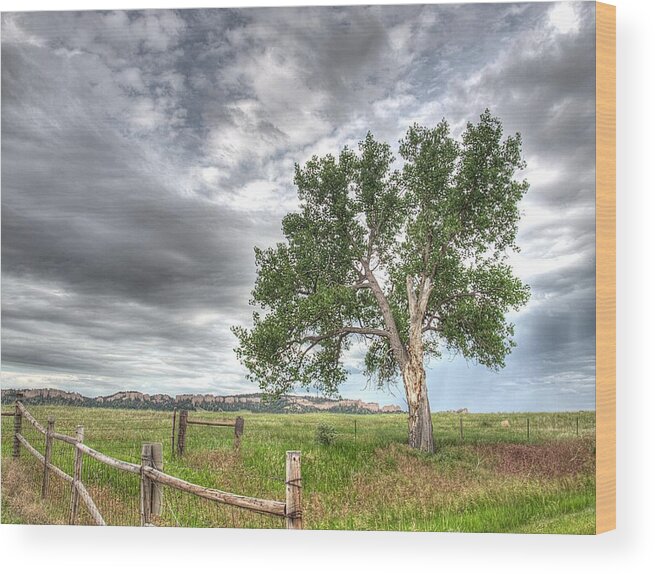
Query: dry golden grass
pixel 222 461
pixel 549 460
pixel 114 509
pixel 20 499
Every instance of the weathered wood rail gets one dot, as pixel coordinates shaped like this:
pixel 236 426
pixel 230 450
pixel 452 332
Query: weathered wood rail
pixel 237 424
pixel 258 505
pixel 151 472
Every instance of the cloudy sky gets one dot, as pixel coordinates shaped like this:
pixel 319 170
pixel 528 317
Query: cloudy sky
pixel 145 154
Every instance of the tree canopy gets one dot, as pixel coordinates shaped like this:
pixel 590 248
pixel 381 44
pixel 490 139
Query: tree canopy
pixel 412 260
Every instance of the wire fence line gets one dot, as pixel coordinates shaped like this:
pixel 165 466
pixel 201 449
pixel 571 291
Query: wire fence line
pixel 122 435
pixel 450 427
pixel 144 425
pixel 103 490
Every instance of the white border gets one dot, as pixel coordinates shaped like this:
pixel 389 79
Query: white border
pixel 630 548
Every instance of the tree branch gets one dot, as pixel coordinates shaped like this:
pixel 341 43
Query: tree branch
pixel 392 329
pixel 428 326
pixel 345 331
pixel 411 296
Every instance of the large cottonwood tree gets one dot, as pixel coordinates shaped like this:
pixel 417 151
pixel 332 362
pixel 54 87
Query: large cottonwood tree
pixel 411 261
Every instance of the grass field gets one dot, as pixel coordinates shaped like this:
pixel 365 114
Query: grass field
pixel 492 480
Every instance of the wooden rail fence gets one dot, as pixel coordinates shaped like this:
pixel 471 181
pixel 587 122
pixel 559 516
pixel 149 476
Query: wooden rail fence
pixel 183 421
pixel 151 473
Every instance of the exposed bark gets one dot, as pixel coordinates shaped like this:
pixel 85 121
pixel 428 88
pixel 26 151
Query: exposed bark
pixel 410 357
pixel 420 420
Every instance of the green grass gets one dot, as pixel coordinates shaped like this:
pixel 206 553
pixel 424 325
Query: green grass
pixel 494 480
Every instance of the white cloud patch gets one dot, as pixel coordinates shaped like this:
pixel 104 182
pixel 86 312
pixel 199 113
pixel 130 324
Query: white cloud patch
pixel 563 18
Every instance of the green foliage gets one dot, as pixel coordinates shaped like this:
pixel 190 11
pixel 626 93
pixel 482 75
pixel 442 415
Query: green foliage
pixel 325 434
pixel 367 239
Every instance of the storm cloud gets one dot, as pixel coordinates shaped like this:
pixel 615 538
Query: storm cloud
pixel 145 154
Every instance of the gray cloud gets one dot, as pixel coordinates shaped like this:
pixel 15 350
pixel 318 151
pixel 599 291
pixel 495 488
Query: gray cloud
pixel 146 153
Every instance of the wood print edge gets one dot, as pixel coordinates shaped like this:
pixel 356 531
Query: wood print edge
pixel 605 267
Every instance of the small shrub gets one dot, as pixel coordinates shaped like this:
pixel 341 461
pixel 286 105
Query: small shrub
pixel 325 434
pixel 485 424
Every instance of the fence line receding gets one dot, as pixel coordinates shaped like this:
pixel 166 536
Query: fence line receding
pixel 151 474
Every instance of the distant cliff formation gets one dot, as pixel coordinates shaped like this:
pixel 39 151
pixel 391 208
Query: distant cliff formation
pixel 209 402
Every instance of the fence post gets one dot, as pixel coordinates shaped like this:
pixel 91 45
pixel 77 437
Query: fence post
pixel 528 428
pixel 77 476
pixel 293 509
pixel 461 428
pixel 577 426
pixel 47 456
pixel 173 434
pixel 146 485
pixel 157 495
pixel 18 426
pixel 238 431
pixel 181 432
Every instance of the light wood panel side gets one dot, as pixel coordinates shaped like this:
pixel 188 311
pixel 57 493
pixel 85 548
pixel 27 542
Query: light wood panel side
pixel 605 267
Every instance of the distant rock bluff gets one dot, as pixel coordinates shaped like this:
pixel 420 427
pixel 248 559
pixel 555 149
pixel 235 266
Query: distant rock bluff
pixel 209 402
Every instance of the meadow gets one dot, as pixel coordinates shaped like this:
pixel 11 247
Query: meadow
pixel 494 479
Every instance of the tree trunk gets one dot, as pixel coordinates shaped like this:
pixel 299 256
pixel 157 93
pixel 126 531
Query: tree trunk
pixel 420 419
